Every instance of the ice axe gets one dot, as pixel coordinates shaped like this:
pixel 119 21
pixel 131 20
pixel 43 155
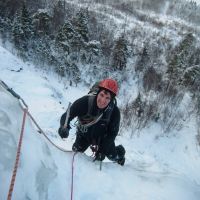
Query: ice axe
pixel 67 115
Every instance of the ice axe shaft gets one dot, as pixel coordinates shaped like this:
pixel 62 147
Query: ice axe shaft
pixel 67 115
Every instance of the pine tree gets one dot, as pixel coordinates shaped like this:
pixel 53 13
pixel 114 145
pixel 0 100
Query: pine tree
pixel 144 61
pixel 58 15
pixel 180 58
pixel 66 37
pixel 17 32
pixel 151 79
pixel 93 51
pixel 106 40
pixel 191 78
pixel 138 105
pixel 42 23
pixel 75 73
pixel 5 28
pixel 8 8
pixel 42 51
pixel 120 53
pixel 26 22
pixel 80 23
pixel 22 30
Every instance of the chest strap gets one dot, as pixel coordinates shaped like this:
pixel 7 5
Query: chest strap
pixel 83 127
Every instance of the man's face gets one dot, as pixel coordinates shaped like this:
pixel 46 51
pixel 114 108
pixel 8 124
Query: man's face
pixel 103 99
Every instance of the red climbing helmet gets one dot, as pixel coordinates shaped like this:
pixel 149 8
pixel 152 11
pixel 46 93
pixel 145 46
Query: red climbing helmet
pixel 109 84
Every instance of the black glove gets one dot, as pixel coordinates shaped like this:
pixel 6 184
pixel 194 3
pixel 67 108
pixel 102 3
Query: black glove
pixel 63 132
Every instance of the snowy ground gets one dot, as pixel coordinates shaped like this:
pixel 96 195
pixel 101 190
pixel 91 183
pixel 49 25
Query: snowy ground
pixel 157 168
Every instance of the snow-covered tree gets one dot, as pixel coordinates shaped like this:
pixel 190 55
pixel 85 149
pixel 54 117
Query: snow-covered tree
pixel 42 51
pixel 191 78
pixel 66 37
pixel 42 23
pixel 120 54
pixel 5 28
pixel 80 23
pixel 75 73
pixel 143 61
pixel 151 79
pixel 8 8
pixel 58 15
pixel 22 30
pixel 180 57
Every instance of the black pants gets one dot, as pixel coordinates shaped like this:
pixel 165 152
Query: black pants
pixel 106 147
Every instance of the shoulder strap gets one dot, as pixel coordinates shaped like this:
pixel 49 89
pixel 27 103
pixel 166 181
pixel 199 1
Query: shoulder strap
pixel 90 103
pixel 108 112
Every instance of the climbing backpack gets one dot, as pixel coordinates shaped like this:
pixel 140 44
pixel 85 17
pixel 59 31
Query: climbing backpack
pixel 94 89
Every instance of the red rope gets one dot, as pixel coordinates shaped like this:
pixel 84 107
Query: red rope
pixel 72 178
pixel 20 144
pixel 17 157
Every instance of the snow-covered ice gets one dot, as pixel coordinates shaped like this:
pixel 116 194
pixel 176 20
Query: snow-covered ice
pixel 157 167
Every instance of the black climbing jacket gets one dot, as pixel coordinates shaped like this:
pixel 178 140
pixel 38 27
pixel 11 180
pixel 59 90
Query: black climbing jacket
pixel 86 110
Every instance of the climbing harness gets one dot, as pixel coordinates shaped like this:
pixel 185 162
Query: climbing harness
pixel 83 126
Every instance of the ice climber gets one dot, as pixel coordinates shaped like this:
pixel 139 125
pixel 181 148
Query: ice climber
pixel 98 122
